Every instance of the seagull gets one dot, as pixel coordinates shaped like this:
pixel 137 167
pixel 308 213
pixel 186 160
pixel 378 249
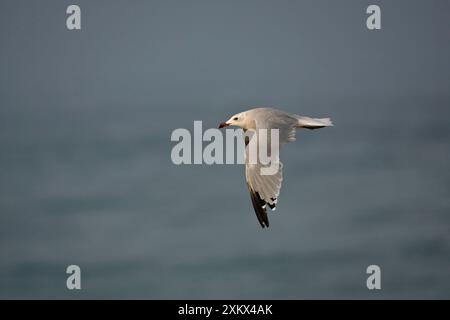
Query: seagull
pixel 265 189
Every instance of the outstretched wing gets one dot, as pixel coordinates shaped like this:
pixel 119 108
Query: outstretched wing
pixel 264 190
pixel 286 124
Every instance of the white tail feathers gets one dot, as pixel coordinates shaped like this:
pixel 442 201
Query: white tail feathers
pixel 314 123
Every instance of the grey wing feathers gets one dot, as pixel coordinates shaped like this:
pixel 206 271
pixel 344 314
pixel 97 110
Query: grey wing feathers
pixel 286 123
pixel 264 190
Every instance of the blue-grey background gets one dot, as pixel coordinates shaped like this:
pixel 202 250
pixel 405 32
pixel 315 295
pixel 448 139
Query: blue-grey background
pixel 86 176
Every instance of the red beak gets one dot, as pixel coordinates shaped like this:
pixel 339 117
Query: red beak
pixel 223 125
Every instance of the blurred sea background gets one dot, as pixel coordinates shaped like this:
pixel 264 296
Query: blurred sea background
pixel 86 176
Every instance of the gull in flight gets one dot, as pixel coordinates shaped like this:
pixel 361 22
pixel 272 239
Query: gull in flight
pixel 265 189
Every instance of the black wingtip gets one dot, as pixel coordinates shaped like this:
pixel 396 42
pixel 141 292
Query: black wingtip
pixel 313 127
pixel 273 205
pixel 259 206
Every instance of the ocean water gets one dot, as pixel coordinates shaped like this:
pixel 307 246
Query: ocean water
pixel 97 188
pixel 86 176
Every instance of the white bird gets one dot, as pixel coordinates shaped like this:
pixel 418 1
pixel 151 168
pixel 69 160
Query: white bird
pixel 265 189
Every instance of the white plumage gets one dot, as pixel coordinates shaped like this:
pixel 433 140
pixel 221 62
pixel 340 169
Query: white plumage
pixel 265 189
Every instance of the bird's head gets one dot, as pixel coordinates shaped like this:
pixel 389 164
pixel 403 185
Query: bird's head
pixel 236 120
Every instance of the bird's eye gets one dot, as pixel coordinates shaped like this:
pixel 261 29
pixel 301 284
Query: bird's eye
pixel 235 118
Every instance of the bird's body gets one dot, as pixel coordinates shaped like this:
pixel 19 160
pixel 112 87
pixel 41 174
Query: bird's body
pixel 264 189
